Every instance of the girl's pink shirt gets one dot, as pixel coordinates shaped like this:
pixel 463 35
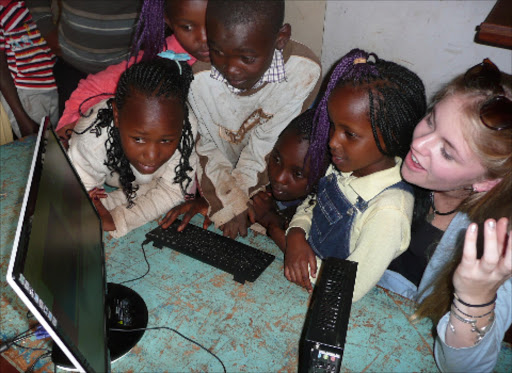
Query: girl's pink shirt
pixel 104 82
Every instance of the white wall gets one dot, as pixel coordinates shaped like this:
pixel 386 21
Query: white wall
pixel 432 38
pixel 307 20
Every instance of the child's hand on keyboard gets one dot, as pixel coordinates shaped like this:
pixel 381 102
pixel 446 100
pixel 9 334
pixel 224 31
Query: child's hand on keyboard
pixel 297 258
pixel 237 225
pixel 189 208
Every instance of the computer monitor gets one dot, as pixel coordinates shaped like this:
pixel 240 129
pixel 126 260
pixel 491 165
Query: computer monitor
pixel 57 265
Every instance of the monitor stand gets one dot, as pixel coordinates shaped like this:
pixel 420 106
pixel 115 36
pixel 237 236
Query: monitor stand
pixel 119 343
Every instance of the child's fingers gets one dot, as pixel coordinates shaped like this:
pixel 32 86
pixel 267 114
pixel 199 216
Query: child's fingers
pixel 206 222
pixel 287 273
pixel 312 266
pixel 242 226
pixel 304 274
pixel 228 231
pixel 252 214
pixel 306 282
pixel 170 217
pixel 264 196
pixel 469 253
pixel 186 219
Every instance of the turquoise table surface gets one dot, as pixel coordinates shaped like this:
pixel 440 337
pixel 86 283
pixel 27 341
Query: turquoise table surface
pixel 252 328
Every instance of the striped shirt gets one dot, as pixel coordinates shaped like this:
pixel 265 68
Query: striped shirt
pixel 29 58
pixel 93 34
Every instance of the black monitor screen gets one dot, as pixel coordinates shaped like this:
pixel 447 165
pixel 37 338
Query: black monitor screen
pixel 59 262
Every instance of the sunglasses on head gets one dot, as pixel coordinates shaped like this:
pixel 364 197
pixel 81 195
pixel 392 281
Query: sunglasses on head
pixel 495 113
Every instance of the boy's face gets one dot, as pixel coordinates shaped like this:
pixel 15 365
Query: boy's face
pixel 242 53
pixel 187 19
pixel 353 147
pixel 286 171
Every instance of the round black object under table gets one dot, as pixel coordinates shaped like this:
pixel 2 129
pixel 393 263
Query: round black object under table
pixel 126 310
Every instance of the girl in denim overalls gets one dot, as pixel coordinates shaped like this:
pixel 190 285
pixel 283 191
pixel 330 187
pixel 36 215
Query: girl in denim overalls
pixel 363 209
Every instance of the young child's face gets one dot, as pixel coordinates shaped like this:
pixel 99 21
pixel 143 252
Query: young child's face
pixel 187 19
pixel 286 170
pixel 351 141
pixel 150 130
pixel 242 53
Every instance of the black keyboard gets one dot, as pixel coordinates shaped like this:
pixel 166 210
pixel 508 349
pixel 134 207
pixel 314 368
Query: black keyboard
pixel 325 328
pixel 244 262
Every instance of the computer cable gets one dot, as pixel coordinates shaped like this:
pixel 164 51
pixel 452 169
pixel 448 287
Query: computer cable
pixel 147 262
pixel 177 332
pixel 40 333
pixel 42 356
pixel 24 335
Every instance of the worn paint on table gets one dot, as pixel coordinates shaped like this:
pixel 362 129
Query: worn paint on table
pixel 252 328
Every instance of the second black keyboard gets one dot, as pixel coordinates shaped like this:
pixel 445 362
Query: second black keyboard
pixel 244 262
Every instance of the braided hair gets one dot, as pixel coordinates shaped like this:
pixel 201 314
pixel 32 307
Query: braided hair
pixel 397 103
pixel 150 32
pixel 156 78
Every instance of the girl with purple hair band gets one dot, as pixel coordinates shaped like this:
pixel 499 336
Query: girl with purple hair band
pixel 185 18
pixel 362 210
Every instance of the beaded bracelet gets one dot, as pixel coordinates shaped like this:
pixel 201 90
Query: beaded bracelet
pixel 475 305
pixel 474 317
pixel 479 331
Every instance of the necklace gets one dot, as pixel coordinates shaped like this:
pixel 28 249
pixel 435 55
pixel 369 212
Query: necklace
pixel 431 215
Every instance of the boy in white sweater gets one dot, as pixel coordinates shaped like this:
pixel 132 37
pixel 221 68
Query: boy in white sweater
pixel 257 82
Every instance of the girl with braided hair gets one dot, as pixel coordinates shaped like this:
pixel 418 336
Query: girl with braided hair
pixel 185 18
pixel 140 141
pixel 362 210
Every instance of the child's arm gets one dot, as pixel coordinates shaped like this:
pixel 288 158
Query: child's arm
pixel 299 259
pixel 152 200
pixel 264 212
pixel 107 223
pixel 384 235
pixel 225 199
pixel 278 235
pixel 26 124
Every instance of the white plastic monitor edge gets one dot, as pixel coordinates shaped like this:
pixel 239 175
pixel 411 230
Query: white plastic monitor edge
pixel 10 279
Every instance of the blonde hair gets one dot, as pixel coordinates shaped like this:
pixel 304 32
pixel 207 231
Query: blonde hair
pixel 494 150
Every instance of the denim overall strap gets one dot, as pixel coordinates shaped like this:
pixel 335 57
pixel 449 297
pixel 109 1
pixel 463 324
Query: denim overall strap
pixel 333 216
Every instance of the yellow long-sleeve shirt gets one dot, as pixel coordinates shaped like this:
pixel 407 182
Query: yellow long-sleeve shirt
pixel 381 232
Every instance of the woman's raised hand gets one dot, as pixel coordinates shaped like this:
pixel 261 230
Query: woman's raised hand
pixel 476 281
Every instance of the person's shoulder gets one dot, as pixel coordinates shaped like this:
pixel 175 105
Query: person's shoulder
pixel 296 50
pixel 201 67
pixel 90 116
pixel 396 199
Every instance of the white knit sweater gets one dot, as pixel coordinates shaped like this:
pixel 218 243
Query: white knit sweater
pixel 157 192
pixel 237 131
